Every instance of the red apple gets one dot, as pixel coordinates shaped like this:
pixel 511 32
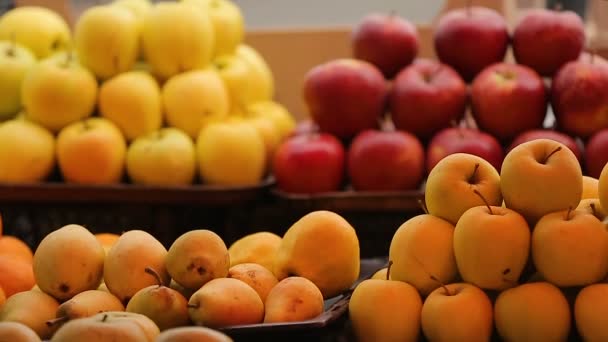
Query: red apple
pixel 345 96
pixel 546 39
pixel 469 39
pixel 464 140
pixel 579 97
pixel 508 99
pixel 596 153
pixel 426 97
pixel 309 164
pixel 548 134
pixel 388 41
pixel 385 161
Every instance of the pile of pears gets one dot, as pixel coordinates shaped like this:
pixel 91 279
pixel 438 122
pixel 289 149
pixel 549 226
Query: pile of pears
pixel 515 255
pixel 134 289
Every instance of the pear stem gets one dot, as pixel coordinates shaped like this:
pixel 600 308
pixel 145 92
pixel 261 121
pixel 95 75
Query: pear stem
pixel 593 210
pixel 567 218
pixel 472 178
pixel 484 201
pixel 152 272
pixel 52 322
pixel 193 306
pixel 104 318
pixel 552 153
pixel 388 270
pixel 445 288
pixel 423 206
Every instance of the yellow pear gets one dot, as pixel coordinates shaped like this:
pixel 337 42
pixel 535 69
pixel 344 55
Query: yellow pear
pixel 322 247
pixel 224 302
pixel 283 119
pixel 381 273
pixel 422 253
pixel 257 276
pixel 532 312
pixel 570 248
pixel 590 186
pixel 68 261
pixel 457 312
pixel 132 101
pixel 163 305
pixel 108 326
pixel 86 304
pixel 207 100
pixel 56 93
pixel 259 248
pixel 193 334
pixel 260 72
pixel 125 264
pixel 192 265
pixel 107 52
pixel 27 152
pixel 293 299
pixel 176 37
pixel 592 206
pixel 231 153
pixel 163 157
pixel 17 332
pixel 385 310
pixel 15 61
pixel 32 308
pixel 41 30
pixel 590 312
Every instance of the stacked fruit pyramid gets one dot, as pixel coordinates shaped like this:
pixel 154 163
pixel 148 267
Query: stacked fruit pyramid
pixel 386 116
pixel 512 256
pixel 163 94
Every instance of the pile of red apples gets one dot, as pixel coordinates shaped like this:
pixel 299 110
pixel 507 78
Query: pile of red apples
pixel 383 118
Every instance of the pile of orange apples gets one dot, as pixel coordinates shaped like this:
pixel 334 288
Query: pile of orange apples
pixel 161 93
pixel 383 118
pixel 521 255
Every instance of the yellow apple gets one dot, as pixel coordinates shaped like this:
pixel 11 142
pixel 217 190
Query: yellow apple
pixel 193 99
pixel 230 153
pixel 448 191
pixel 590 186
pixel 138 7
pixel 591 312
pixel 56 93
pixel 532 312
pixel 422 253
pixel 107 40
pixel 457 312
pixel 261 71
pixel 27 152
pixel 228 24
pixel 164 157
pixel 91 151
pixel 570 248
pixel 15 61
pixel 39 29
pixel 491 245
pixel 63 56
pixel 270 134
pixel 592 206
pixel 132 101
pixel 283 119
pixel 177 37
pixel 539 177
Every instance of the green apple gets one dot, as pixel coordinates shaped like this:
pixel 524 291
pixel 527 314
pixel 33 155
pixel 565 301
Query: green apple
pixel 570 248
pixel 491 245
pixel 164 157
pixel 91 151
pixel 385 310
pixel 591 312
pixel 27 152
pixel 457 312
pixel 132 101
pixel 15 61
pixel 262 74
pixel 539 177
pixel 532 312
pixel 177 37
pixel 207 100
pixel 448 191
pixel 39 29
pixel 56 93
pixel 230 152
pixel 283 119
pixel 423 254
pixel 107 52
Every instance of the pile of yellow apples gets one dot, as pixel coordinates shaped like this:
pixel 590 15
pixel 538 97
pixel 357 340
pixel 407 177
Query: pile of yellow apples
pixel 520 254
pixel 129 287
pixel 156 94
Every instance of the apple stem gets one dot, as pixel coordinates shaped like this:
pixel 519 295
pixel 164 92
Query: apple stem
pixel 433 278
pixel 593 210
pixel 474 175
pixel 484 201
pixel 57 320
pixel 193 306
pixel 388 270
pixel 422 205
pixel 392 13
pixel 68 59
pixel 468 7
pixel 445 288
pixel 567 218
pixel 550 154
pixel 104 318
pixel 12 50
pixel 152 272
pixel 558 6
